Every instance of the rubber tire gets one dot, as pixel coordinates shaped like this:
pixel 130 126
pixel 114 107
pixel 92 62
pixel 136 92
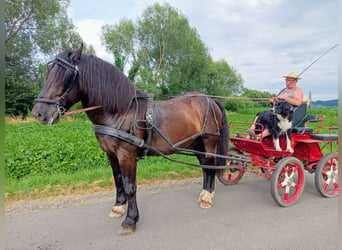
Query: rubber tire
pixel 320 182
pixel 238 171
pixel 279 173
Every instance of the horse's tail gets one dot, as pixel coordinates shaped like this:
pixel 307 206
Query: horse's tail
pixel 222 147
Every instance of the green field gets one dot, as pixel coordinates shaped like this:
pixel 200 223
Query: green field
pixel 65 158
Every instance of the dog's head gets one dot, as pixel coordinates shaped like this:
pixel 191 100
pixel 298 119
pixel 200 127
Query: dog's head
pixel 282 108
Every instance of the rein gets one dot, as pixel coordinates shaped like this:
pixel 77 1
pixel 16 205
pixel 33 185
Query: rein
pixel 82 110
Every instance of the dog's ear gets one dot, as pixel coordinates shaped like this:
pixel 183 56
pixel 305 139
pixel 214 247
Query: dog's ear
pixel 289 108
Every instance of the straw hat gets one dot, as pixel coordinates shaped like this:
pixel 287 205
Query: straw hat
pixel 292 75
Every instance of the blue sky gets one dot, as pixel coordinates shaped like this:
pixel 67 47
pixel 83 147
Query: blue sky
pixel 262 39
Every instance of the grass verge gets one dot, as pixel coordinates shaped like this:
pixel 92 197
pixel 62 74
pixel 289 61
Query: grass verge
pixel 84 181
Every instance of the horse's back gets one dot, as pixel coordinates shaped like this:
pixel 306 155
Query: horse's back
pixel 184 116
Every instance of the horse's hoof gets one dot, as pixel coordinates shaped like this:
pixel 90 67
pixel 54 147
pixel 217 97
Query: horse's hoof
pixel 201 195
pixel 117 211
pixel 126 230
pixel 206 199
pixel 204 204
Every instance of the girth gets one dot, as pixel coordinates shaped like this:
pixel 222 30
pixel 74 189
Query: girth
pixel 122 135
pixel 129 137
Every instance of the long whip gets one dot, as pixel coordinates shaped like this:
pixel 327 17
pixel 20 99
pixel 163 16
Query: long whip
pixel 311 65
pixel 318 58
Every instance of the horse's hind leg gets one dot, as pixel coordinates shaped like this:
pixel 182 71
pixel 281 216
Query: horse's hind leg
pixel 120 202
pixel 207 194
pixel 209 144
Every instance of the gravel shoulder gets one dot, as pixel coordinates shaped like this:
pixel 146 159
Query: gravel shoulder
pixel 25 206
pixel 28 206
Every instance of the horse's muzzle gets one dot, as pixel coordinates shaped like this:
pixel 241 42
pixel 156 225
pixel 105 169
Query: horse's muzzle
pixel 45 113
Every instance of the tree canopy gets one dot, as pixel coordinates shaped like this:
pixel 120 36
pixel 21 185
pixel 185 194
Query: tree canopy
pixel 35 29
pixel 160 52
pixel 163 54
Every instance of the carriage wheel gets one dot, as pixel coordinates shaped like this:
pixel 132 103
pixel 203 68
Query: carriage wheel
pixel 326 175
pixel 288 181
pixel 231 176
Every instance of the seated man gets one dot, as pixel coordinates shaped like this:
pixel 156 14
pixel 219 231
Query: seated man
pixel 291 94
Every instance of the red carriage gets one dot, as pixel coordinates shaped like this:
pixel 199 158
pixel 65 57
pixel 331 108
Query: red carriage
pixel 313 151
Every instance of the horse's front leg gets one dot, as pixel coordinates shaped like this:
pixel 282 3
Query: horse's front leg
pixel 120 202
pixel 128 169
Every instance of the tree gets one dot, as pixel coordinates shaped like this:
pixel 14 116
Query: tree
pixel 120 39
pixel 175 55
pixel 223 79
pixel 250 93
pixel 35 29
pixel 164 55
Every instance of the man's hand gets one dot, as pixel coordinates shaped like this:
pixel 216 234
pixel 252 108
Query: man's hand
pixel 272 100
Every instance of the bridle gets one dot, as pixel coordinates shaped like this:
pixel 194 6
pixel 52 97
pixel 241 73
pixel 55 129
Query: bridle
pixel 70 76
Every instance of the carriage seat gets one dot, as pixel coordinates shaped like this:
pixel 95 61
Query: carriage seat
pixel 299 115
pixel 299 119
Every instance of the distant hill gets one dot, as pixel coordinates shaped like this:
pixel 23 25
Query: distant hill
pixel 328 104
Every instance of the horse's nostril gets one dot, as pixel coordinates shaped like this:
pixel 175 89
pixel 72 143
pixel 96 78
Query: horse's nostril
pixel 36 114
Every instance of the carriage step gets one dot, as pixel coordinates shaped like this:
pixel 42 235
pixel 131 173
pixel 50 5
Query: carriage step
pixel 325 137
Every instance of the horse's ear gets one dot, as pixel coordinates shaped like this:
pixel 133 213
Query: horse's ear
pixel 78 54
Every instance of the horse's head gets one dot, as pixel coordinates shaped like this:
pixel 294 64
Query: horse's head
pixel 60 89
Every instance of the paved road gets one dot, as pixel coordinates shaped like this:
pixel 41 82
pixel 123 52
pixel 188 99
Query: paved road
pixel 244 216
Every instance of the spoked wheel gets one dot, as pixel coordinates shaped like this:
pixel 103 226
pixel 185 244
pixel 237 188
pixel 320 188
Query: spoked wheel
pixel 326 175
pixel 231 175
pixel 288 181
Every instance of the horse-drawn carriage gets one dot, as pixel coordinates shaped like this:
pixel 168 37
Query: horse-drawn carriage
pixel 129 125
pixel 313 151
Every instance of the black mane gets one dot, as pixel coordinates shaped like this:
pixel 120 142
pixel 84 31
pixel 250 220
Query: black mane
pixel 103 83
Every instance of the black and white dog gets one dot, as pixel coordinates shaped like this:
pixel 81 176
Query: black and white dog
pixel 278 121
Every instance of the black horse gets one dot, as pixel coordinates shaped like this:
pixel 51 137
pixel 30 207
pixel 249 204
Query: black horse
pixel 130 125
